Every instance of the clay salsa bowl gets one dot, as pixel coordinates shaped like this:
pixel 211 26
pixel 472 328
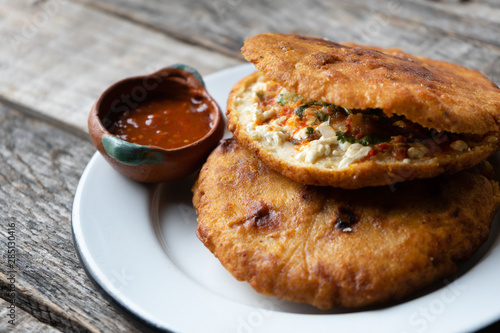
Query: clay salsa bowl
pixel 146 163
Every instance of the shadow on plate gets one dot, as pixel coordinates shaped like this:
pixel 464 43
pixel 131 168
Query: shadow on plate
pixel 179 193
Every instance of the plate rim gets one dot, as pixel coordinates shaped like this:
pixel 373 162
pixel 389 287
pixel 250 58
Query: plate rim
pixel 90 267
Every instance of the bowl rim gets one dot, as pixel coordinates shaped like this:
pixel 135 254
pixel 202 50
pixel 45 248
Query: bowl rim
pixel 216 111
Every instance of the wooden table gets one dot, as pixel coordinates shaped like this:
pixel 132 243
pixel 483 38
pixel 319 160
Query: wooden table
pixel 57 56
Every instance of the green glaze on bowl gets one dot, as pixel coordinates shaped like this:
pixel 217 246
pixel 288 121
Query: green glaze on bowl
pixel 189 69
pixel 130 153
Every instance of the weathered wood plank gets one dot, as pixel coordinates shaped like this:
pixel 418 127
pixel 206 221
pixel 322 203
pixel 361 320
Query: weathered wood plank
pixel 61 55
pixel 22 322
pixel 416 26
pixel 474 19
pixel 58 56
pixel 39 169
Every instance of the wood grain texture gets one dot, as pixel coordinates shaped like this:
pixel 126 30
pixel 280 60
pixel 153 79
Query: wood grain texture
pixel 58 56
pixel 446 31
pixel 24 322
pixel 476 20
pixel 39 169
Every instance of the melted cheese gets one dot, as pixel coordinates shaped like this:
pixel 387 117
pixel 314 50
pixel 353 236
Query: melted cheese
pixel 266 126
pixel 354 153
pixel 316 149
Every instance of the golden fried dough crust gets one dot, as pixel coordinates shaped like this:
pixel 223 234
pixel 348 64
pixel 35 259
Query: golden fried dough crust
pixel 331 247
pixel 432 93
pixel 357 175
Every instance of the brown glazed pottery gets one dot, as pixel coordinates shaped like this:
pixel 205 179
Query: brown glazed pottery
pixel 149 163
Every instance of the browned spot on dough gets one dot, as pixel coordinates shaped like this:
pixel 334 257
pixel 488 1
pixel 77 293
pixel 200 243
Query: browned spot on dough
pixel 228 145
pixel 313 199
pixel 345 218
pixel 307 194
pixel 261 216
pixel 455 213
pixel 323 58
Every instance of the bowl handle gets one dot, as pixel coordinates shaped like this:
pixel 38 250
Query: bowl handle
pixel 189 69
pixel 130 153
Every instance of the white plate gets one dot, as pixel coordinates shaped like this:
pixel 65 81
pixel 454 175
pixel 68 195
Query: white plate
pixel 138 243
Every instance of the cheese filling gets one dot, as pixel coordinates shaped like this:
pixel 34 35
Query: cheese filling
pixel 337 137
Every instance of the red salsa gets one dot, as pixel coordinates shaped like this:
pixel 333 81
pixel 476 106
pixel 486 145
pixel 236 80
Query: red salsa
pixel 165 123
